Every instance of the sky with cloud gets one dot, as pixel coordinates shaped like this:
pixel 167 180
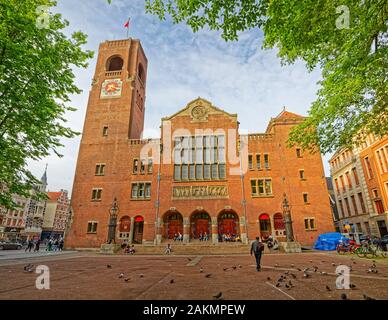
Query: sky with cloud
pixel 239 77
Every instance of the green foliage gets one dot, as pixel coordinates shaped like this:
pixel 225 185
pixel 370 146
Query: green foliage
pixel 352 99
pixel 36 81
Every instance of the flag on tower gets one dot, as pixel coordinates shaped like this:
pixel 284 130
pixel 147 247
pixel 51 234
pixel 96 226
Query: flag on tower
pixel 126 25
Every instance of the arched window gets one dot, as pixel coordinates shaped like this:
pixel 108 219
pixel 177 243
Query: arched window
pixel 115 63
pixel 141 72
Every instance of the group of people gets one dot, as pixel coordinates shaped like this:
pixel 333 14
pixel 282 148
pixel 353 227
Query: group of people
pixel 178 237
pixel 272 243
pixel 55 244
pixel 227 237
pixel 128 248
pixel 33 245
pixel 203 236
pixel 52 244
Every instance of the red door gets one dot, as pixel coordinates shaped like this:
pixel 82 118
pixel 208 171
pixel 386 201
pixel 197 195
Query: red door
pixel 174 226
pixel 228 226
pixel 202 226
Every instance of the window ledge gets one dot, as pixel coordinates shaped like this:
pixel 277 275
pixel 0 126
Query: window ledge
pixel 304 179
pixel 200 180
pixel 91 232
pixel 307 203
pixel 263 196
pixel 96 200
pixel 141 199
pixel 310 229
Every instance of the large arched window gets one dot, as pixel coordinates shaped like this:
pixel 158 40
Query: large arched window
pixel 115 63
pixel 141 72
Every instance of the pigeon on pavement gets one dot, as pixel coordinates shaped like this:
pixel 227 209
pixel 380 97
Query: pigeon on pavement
pixel 218 295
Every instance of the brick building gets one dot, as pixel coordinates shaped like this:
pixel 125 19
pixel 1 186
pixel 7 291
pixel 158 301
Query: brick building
pixel 360 176
pixel 57 214
pixel 200 177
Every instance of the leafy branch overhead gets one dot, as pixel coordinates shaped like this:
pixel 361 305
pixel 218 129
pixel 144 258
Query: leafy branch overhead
pixel 36 81
pixel 347 39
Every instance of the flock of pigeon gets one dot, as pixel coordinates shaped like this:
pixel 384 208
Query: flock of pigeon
pixel 286 279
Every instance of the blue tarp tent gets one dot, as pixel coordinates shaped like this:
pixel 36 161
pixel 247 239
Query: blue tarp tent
pixel 329 241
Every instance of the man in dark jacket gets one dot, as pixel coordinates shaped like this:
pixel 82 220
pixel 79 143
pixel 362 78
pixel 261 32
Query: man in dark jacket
pixel 257 249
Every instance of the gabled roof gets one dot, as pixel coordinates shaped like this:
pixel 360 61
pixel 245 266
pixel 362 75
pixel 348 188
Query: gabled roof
pixel 285 117
pixel 54 196
pixel 204 104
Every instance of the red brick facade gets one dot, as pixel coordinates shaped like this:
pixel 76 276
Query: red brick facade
pixel 205 195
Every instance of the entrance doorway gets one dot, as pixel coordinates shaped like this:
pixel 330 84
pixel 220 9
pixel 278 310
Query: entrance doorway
pixel 265 225
pixel 138 229
pixel 173 224
pixel 382 228
pixel 228 226
pixel 200 225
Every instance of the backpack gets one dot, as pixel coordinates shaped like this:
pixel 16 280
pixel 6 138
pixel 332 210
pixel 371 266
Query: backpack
pixel 259 247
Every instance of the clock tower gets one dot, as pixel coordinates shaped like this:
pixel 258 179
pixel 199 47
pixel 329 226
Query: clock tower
pixel 114 119
pixel 117 97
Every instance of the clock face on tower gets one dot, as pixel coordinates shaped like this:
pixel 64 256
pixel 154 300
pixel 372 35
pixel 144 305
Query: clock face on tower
pixel 111 88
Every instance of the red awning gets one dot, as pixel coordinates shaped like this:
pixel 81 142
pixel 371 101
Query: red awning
pixel 264 217
pixel 139 219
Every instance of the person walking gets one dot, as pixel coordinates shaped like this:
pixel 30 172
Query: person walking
pixel 37 245
pixel 61 243
pixel 30 245
pixel 49 245
pixel 257 249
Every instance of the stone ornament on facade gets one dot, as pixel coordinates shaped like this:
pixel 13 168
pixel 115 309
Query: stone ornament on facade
pixel 199 113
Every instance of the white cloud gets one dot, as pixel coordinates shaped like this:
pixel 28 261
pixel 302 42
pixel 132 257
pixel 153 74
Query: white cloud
pixel 239 77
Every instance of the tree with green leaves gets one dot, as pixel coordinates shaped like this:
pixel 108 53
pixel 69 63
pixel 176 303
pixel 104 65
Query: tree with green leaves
pixel 347 39
pixel 36 81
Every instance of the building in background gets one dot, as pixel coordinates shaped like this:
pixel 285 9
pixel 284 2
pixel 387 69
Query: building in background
pixel 373 154
pixel 36 211
pixel 360 178
pixel 13 222
pixel 56 215
pixel 333 204
pixel 189 181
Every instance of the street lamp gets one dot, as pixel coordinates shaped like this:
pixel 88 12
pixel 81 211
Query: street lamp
pixel 113 211
pixel 287 219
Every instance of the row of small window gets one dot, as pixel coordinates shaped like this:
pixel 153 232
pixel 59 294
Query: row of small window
pixel 349 180
pixel 142 168
pixel 100 167
pixel 261 187
pixel 258 161
pixel 309 224
pixel 140 190
pixel 354 204
pixel 199 172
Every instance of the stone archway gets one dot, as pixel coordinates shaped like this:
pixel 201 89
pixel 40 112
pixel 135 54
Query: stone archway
pixel 172 224
pixel 200 225
pixel 228 225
